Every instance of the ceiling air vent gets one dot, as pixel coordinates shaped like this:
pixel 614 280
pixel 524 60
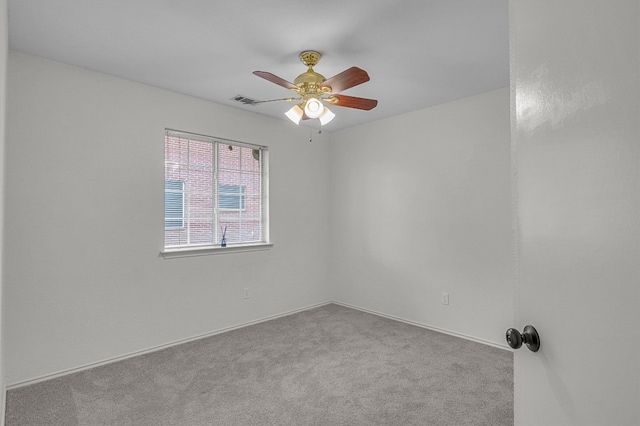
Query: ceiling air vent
pixel 244 100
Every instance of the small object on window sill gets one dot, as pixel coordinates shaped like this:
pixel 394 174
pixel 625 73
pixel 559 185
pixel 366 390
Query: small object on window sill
pixel 223 242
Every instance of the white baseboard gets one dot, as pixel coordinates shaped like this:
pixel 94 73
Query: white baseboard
pixel 235 327
pixel 428 327
pixel 157 348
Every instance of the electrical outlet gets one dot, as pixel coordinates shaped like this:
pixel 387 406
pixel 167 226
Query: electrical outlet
pixel 246 293
pixel 445 298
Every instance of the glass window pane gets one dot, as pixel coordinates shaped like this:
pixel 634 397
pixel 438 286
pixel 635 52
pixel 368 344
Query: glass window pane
pixel 211 186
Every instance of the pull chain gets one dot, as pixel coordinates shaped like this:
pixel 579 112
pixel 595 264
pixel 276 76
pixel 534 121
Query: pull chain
pixel 311 134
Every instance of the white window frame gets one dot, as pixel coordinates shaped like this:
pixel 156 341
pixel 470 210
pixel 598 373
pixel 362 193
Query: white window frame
pixel 215 248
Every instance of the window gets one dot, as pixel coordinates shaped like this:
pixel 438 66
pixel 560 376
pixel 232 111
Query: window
pixel 214 187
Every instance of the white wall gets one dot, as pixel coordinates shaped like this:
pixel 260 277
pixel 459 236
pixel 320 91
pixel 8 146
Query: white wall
pixel 4 43
pixel 84 221
pixel 421 206
pixel 575 73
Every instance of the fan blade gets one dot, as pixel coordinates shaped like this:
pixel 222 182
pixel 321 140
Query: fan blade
pixel 353 102
pixel 274 100
pixel 346 79
pixel 275 79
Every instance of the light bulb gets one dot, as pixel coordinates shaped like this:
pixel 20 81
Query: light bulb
pixel 313 108
pixel 326 116
pixel 294 114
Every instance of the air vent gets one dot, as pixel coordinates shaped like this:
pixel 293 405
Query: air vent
pixel 244 100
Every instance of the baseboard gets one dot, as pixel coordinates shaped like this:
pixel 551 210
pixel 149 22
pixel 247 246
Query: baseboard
pixel 235 327
pixel 157 348
pixel 426 326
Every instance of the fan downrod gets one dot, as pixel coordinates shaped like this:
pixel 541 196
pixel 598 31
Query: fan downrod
pixel 310 57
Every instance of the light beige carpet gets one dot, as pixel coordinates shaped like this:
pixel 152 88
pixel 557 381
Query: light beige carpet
pixel 325 366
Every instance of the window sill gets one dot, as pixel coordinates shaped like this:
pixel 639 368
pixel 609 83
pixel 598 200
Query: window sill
pixel 209 250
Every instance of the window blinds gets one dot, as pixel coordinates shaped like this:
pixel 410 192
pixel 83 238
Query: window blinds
pixel 214 187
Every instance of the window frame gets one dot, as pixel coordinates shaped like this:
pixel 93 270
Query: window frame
pixel 187 249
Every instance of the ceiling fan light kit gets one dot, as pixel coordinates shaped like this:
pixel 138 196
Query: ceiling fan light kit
pixel 326 116
pixel 314 89
pixel 313 108
pixel 295 114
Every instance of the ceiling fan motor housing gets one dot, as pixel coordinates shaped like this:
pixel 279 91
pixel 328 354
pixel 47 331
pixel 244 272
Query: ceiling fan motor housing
pixel 308 82
pixel 308 85
pixel 310 78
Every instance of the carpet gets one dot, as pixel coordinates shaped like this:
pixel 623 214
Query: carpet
pixel 325 366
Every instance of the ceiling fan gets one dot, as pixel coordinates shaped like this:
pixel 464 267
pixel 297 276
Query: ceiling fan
pixel 313 90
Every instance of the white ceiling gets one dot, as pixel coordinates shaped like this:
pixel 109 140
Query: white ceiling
pixel 418 53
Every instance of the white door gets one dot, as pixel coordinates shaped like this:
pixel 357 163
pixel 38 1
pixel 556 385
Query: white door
pixel 576 138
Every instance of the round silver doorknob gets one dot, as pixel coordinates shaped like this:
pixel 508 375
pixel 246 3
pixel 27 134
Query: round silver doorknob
pixel 529 337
